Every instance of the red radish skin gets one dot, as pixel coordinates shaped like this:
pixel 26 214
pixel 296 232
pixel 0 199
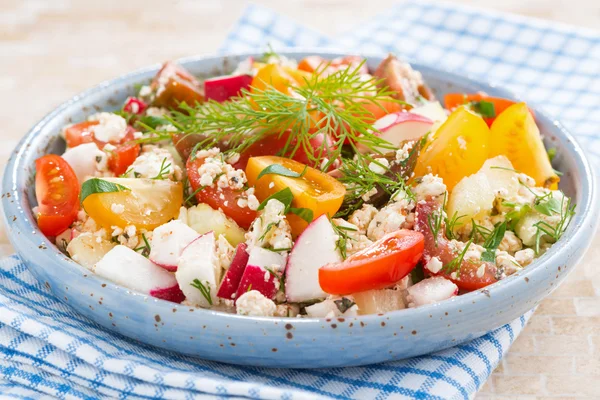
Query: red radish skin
pixel 400 127
pixel 234 274
pixel 222 88
pixel 254 279
pixel 133 105
pixel 172 293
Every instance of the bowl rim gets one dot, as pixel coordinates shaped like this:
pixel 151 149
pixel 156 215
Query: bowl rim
pixel 587 209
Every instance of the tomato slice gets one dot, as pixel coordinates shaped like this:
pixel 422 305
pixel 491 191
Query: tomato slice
pixel 147 204
pixel 277 77
pixel 317 63
pixel 470 274
pixel 379 266
pixel 457 149
pixel 454 100
pixel 225 199
pixel 80 133
pixel 57 193
pixel 122 157
pixel 173 85
pixel 316 190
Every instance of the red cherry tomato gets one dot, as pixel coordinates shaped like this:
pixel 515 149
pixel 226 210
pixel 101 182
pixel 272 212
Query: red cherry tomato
pixel 226 199
pixel 122 157
pixel 467 276
pixel 380 265
pixel 57 193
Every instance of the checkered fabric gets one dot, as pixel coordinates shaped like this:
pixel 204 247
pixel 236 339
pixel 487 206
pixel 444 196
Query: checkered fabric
pixel 47 350
pixel 554 67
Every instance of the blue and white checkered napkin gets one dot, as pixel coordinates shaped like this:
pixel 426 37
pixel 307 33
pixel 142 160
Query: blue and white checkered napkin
pixel 47 349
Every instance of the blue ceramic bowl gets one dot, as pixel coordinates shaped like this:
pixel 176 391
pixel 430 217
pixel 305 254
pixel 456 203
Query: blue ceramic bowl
pixel 277 342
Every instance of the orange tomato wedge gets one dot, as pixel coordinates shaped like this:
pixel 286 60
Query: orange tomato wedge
pixel 147 204
pixel 315 190
pixel 516 135
pixel 457 149
pixel 380 265
pixel 453 100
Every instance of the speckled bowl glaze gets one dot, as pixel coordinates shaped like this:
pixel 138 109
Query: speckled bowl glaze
pixel 277 342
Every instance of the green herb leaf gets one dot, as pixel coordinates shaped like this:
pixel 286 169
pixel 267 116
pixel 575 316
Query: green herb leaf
pixel 277 169
pixel 164 169
pixel 417 274
pixel 204 290
pixel 485 108
pixel 492 243
pixel 549 207
pixel 285 196
pixel 152 122
pixel 456 263
pixel 304 213
pixel 344 304
pixel 145 249
pixel 97 185
pixel 551 153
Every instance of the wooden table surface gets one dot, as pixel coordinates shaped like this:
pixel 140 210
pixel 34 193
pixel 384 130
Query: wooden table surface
pixel 51 50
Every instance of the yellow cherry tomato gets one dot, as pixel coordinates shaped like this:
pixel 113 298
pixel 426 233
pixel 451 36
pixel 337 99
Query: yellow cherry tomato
pixel 283 79
pixel 516 136
pixel 315 190
pixel 457 149
pixel 147 204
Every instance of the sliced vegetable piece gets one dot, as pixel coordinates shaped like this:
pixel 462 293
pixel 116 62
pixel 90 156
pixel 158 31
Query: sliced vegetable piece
pixel 379 301
pixel 225 199
pixel 379 266
pixel 198 272
pixel 140 274
pixel 431 290
pixel 121 158
pixel 454 100
pixel 168 241
pixel 467 274
pixel 233 276
pixel 399 127
pixel 315 190
pixel 223 88
pixel 277 77
pixel 146 203
pixel 134 105
pixel 57 194
pixel 86 250
pixel 516 136
pixel 457 149
pixel 399 76
pixel 315 248
pixel 203 219
pixel 259 273
pixel 174 85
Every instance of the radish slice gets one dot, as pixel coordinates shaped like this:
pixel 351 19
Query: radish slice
pixel 134 271
pixel 234 274
pixel 134 105
pixel 168 241
pixel 431 290
pixel 222 88
pixel 315 247
pixel 402 126
pixel 199 266
pixel 83 158
pixel 257 277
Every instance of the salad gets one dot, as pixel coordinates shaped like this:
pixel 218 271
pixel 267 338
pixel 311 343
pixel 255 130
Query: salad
pixel 316 188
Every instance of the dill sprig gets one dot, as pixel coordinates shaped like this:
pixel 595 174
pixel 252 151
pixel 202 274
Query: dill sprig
pixel 456 263
pixel 331 104
pixel 204 290
pixel 452 224
pixel 145 249
pixel 342 233
pixel 164 169
pixel 567 211
pixel 360 181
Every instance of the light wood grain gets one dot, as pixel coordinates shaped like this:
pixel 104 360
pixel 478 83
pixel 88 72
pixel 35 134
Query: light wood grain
pixel 51 50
